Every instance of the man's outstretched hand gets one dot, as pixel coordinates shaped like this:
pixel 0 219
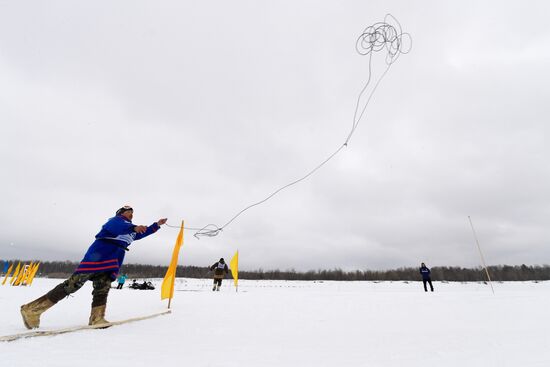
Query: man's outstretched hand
pixel 140 229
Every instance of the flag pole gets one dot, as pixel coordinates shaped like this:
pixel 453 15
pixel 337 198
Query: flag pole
pixel 173 280
pixel 234 264
pixel 167 287
pixel 481 254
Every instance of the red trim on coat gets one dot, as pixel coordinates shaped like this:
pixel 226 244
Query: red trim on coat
pixel 98 262
pixel 102 268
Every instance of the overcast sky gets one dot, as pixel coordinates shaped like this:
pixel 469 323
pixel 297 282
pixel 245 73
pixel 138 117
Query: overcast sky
pixel 194 110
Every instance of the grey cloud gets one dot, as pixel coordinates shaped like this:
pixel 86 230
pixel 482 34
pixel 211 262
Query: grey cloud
pixel 194 111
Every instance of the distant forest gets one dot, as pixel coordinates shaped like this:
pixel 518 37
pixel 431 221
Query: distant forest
pixel 62 269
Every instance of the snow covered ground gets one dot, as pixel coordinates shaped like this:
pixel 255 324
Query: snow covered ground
pixel 278 323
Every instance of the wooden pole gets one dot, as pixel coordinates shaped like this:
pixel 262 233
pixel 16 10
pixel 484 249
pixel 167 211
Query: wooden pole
pixel 172 288
pixel 481 255
pixel 176 268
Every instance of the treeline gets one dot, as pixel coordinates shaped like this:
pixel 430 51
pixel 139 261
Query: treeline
pixel 442 273
pixel 62 269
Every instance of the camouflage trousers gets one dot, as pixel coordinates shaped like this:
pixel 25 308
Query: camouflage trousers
pixel 101 283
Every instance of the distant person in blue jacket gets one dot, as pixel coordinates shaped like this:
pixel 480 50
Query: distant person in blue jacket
pixel 100 264
pixel 121 280
pixel 425 272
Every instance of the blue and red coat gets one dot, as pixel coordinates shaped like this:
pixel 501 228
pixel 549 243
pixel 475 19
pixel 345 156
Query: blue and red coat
pixel 106 253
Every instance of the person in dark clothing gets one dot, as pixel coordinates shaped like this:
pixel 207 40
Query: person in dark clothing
pixel 100 264
pixel 425 272
pixel 220 269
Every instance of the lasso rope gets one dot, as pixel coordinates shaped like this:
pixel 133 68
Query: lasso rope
pixel 386 35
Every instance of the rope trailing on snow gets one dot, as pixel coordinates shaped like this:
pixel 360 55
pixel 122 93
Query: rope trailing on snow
pixel 382 36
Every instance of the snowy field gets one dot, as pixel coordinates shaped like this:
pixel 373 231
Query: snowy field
pixel 278 323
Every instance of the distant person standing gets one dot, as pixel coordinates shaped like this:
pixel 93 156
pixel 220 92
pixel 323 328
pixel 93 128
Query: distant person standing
pixel 121 280
pixel 425 272
pixel 220 269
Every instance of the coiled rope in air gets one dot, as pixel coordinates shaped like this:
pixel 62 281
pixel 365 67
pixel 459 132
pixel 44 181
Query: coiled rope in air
pixel 382 36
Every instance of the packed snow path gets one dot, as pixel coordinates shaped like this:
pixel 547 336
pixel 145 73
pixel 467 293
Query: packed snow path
pixel 278 323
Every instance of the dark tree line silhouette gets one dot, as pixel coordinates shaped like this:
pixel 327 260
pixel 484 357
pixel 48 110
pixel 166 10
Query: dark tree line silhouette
pixel 62 269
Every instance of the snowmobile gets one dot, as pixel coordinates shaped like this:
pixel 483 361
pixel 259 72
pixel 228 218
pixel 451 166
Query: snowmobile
pixel 142 286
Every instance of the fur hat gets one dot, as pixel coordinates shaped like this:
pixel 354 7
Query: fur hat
pixel 124 209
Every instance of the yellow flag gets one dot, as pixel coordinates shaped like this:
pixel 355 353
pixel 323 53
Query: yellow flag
pixel 28 270
pixel 7 274
pixel 234 265
pixel 33 273
pixel 167 288
pixel 15 273
pixel 21 275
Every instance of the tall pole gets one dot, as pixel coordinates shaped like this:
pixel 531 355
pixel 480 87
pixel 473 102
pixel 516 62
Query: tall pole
pixel 481 254
pixel 167 288
pixel 172 288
